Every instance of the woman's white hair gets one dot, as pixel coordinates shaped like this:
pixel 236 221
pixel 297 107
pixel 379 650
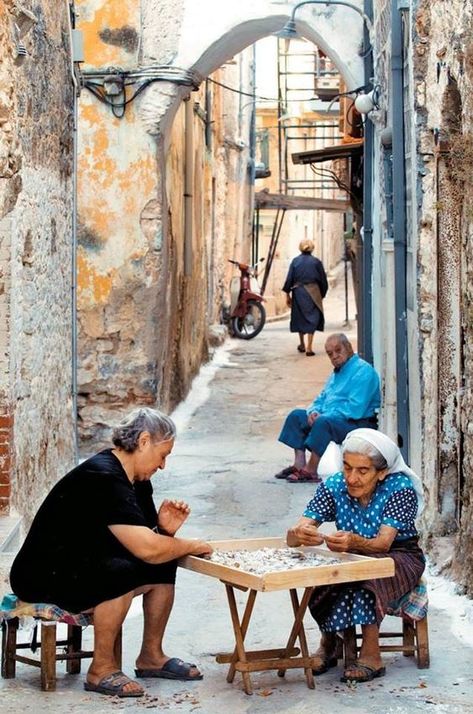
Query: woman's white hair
pixel 357 445
pixel 127 433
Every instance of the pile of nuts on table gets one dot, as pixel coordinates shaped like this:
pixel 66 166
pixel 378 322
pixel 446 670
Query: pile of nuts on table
pixel 269 560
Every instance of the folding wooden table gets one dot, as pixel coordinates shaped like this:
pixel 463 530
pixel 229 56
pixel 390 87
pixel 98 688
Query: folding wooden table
pixel 350 569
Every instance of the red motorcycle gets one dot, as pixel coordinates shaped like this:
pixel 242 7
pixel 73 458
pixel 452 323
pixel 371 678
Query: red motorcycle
pixel 247 314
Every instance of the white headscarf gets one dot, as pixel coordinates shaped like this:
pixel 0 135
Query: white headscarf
pixel 393 456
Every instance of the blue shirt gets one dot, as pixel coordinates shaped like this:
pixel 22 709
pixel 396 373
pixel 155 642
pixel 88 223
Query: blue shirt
pixel 393 503
pixel 352 392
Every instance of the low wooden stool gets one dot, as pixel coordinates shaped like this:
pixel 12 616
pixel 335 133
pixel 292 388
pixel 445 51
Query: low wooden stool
pixel 414 642
pixel 48 645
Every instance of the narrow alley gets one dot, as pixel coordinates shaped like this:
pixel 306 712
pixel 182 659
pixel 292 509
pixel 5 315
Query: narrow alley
pixel 223 465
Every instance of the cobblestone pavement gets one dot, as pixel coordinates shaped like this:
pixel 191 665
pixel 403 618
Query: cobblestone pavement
pixel 223 465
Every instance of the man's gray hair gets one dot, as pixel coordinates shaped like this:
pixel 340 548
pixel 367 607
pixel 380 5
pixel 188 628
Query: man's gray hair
pixel 127 433
pixel 341 338
pixel 357 445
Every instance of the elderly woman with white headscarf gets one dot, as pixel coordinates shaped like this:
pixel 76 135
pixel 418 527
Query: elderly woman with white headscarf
pixel 374 500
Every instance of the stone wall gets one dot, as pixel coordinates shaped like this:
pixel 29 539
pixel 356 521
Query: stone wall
pixel 36 165
pixel 438 177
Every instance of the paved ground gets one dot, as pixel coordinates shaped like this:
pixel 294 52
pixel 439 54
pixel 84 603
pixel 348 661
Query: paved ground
pixel 223 465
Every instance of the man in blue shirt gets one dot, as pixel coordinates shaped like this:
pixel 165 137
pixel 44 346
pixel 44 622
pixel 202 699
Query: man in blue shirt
pixel 349 400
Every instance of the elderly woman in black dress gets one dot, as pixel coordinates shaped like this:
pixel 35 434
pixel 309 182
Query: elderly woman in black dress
pixel 307 281
pixel 97 541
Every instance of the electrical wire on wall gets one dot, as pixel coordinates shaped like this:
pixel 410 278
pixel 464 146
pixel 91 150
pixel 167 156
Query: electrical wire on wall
pixel 118 88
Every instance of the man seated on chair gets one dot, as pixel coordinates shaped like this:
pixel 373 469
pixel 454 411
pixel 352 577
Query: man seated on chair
pixel 97 541
pixel 349 400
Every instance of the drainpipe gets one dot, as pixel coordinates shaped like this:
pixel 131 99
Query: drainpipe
pixel 75 56
pixel 252 161
pixel 399 231
pixel 365 325
pixel 188 185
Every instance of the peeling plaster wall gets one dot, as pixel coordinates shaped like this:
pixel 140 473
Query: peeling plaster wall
pixel 441 141
pixel 440 31
pixel 446 90
pixel 142 322
pixel 36 136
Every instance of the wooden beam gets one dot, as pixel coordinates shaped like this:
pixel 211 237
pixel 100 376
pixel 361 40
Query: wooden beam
pixel 264 199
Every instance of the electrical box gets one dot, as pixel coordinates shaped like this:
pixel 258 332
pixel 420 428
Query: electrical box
pixel 77 46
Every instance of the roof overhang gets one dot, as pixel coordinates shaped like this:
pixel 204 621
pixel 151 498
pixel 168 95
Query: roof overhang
pixel 329 153
pixel 264 199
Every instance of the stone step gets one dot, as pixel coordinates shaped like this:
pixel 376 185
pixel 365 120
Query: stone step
pixel 10 538
pixel 10 532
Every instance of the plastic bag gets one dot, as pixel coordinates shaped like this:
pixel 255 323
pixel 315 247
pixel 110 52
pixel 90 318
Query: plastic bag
pixel 331 461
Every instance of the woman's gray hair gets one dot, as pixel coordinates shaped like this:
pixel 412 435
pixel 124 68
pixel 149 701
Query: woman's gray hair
pixel 127 433
pixel 357 445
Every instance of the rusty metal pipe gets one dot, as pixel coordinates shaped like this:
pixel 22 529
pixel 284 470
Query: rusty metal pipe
pixel 188 185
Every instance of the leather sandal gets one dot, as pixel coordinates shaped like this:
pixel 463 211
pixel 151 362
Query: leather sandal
pixel 368 673
pixel 303 476
pixel 286 472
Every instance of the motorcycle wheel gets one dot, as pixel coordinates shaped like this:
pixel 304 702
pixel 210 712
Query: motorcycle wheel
pixel 252 323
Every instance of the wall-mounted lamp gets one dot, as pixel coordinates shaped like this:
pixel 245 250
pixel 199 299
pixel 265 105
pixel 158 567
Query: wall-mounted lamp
pixel 289 31
pixel 365 103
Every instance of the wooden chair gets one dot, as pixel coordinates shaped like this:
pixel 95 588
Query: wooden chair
pixel 72 651
pixel 414 642
pixel 411 608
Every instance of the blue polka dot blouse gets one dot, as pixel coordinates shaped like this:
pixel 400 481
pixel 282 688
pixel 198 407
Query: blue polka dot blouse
pixel 393 503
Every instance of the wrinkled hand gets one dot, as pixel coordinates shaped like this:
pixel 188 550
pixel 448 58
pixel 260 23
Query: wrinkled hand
pixel 172 514
pixel 288 300
pixel 200 547
pixel 340 542
pixel 305 534
pixel 311 418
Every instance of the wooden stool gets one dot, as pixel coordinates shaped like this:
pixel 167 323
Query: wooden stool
pixel 414 636
pixel 72 651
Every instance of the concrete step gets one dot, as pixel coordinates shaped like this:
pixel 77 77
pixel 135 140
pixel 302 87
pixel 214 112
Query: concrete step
pixel 10 531
pixel 10 538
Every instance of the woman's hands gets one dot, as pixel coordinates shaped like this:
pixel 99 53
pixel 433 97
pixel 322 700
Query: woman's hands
pixel 171 516
pixel 201 548
pixel 340 542
pixel 346 542
pixel 304 533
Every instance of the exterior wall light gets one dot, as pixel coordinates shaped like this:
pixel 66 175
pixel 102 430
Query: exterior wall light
pixel 365 103
pixel 289 31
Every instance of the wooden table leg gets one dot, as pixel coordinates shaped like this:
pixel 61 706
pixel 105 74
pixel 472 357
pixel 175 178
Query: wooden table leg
pixel 240 631
pixel 299 612
pixel 299 632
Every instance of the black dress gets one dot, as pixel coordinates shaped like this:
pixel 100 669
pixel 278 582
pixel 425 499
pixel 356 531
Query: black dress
pixel 70 557
pixel 306 316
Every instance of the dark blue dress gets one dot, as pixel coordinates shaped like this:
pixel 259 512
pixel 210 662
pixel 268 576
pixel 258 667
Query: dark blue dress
pixel 306 317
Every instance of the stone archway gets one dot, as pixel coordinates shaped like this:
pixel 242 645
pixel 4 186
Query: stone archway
pixel 125 293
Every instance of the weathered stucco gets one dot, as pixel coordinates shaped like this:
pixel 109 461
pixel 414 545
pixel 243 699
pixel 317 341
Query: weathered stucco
pixel 143 319
pixel 439 139
pixel 144 315
pixel 36 102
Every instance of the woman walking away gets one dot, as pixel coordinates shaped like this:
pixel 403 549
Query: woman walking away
pixel 307 281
